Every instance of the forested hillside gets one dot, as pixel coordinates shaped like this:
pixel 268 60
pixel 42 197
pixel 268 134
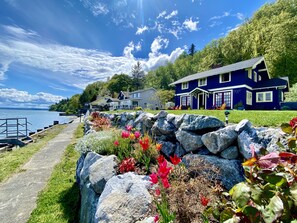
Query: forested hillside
pixel 271 32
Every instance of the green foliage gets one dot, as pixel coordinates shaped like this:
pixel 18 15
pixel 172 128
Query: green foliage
pixel 119 82
pixel 165 96
pixel 100 142
pixel 137 76
pixel 291 96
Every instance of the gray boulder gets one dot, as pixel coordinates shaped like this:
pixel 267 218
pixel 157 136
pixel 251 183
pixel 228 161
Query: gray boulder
pixel 245 141
pixel 230 153
pixel 88 204
pixel 101 171
pixel 179 150
pixel 176 120
pixel 269 137
pixel 91 158
pixel 230 172
pixel 200 122
pixel 220 140
pixel 79 166
pixel 243 125
pixel 144 122
pixel 190 141
pixel 163 129
pixel 168 148
pixel 125 199
pixel 147 220
pixel 161 114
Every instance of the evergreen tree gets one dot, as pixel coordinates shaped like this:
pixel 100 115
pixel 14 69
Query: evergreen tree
pixel 137 76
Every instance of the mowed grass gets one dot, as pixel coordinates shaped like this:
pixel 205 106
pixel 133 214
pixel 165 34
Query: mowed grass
pixel 257 118
pixel 12 161
pixel 59 201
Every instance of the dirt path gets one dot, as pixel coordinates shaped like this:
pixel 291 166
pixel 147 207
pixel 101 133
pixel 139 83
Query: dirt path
pixel 18 194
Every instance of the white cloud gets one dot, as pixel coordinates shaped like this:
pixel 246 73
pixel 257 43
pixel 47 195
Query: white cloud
pixel 158 44
pixel 131 48
pixel 225 14
pixel 96 7
pixel 4 66
pixel 240 16
pixel 12 97
pixel 18 31
pixel 161 15
pixel 172 14
pixel 190 24
pixel 140 30
pixel 215 23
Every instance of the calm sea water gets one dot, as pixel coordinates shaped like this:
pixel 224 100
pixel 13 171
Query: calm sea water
pixel 38 119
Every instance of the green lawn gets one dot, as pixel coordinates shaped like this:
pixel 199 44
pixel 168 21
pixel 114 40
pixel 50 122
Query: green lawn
pixel 257 118
pixel 12 161
pixel 59 201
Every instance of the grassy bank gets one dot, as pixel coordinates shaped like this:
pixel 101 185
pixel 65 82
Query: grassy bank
pixel 12 161
pixel 59 201
pixel 257 118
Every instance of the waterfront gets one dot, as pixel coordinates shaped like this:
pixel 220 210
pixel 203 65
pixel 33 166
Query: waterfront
pixel 38 119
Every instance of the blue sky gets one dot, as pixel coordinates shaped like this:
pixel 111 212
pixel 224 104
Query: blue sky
pixel 51 49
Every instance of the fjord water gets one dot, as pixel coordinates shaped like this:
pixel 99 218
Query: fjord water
pixel 38 119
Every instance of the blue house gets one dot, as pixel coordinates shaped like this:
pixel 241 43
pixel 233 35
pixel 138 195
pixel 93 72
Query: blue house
pixel 245 83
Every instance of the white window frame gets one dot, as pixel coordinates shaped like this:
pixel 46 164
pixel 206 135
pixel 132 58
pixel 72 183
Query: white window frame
pixel 190 100
pixel 185 85
pixel 255 76
pixel 282 96
pixel 221 81
pixel 250 76
pixel 249 98
pixel 264 96
pixel 203 84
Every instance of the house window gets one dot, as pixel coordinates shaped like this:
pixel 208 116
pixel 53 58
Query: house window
pixel 225 77
pixel 185 101
pixel 264 96
pixel 185 85
pixel 255 76
pixel 202 82
pixel 250 73
pixel 259 77
pixel 249 98
pixel 223 97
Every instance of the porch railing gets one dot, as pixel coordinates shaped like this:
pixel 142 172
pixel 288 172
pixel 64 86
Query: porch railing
pixel 13 128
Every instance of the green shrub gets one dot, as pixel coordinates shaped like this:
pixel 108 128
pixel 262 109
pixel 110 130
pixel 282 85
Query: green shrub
pixel 100 142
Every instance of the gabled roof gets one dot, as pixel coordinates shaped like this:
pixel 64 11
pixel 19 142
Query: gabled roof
pixel 142 90
pixel 221 70
pixel 273 82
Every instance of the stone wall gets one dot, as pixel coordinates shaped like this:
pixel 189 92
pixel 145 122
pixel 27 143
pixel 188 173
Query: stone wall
pixel 107 197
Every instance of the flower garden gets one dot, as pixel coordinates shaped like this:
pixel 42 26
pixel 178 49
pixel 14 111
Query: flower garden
pixel 181 194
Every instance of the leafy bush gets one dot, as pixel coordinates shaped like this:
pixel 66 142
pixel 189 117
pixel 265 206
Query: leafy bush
pixel 99 142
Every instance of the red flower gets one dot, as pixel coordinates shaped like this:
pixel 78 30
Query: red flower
pixel 127 165
pixel 175 159
pixel 204 201
pixel 163 170
pixel 160 159
pixel 158 192
pixel 158 146
pixel 165 182
pixel 144 143
pixel 125 134
pixel 154 178
pixel 129 128
pixel 116 143
pixel 156 218
pixel 293 123
pixel 137 134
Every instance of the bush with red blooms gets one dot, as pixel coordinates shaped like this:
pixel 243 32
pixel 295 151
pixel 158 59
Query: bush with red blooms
pixel 160 178
pixel 127 165
pixel 101 123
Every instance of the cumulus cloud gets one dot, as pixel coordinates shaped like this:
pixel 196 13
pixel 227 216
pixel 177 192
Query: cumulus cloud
pixel 140 30
pixel 172 14
pixel 13 97
pixel 131 48
pixel 190 24
pixel 158 44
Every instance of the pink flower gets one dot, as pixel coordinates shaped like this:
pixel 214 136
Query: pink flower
pixel 137 134
pixel 129 128
pixel 165 182
pixel 158 192
pixel 160 159
pixel 125 134
pixel 156 218
pixel 154 178
pixel 204 201
pixel 116 143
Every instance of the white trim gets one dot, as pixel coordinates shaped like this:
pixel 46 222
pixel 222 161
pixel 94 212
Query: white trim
pixel 257 63
pixel 186 87
pixel 264 96
pixel 250 73
pixel 279 87
pixel 203 98
pixel 231 87
pixel 246 97
pixel 225 81
pixel 182 94
pixel 205 78
pixel 186 96
pixel 200 89
pixel 261 70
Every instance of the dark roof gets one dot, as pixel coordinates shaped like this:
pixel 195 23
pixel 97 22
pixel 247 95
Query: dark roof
pixel 273 82
pixel 221 70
